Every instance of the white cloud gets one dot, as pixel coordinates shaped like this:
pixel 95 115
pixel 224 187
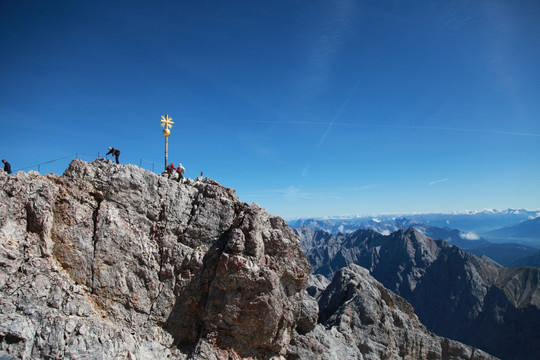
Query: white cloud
pixel 438 181
pixel 469 236
pixel 294 193
pixel 326 38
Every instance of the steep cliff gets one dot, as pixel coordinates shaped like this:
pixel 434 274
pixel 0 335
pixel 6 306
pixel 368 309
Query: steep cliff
pixel 114 262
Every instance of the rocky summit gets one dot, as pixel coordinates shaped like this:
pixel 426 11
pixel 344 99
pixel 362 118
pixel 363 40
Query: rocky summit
pixel 111 261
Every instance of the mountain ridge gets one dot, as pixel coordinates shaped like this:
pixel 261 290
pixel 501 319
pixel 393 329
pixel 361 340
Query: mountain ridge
pixel 455 294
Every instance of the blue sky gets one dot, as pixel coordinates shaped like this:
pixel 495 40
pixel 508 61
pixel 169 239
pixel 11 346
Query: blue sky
pixel 308 108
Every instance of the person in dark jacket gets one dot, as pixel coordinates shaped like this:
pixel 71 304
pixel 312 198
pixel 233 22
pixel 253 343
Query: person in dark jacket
pixel 7 166
pixel 114 152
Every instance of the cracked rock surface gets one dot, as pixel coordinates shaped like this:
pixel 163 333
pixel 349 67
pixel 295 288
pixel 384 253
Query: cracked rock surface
pixel 114 262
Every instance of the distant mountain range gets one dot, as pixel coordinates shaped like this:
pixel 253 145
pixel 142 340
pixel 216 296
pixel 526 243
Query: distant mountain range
pixel 468 230
pixel 526 232
pixel 486 283
pixel 454 293
pixel 476 221
pixel 509 255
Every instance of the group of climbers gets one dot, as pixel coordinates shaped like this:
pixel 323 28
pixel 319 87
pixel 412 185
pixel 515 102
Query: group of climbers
pixel 116 153
pixel 170 169
pixel 179 170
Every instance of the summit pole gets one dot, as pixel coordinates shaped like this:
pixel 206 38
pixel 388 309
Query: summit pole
pixel 166 123
pixel 166 150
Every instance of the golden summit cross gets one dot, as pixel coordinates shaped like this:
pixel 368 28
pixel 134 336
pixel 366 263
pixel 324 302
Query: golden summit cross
pixel 166 121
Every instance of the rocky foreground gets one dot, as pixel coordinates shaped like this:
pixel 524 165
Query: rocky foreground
pixel 114 262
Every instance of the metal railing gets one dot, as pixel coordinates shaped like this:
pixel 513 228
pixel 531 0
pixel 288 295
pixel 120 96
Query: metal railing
pixel 81 155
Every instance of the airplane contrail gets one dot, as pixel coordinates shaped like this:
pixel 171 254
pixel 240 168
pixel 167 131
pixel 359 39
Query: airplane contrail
pixel 342 107
pixel 464 129
pixel 443 128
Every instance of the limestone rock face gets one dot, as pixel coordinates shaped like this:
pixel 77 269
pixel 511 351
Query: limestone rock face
pixel 360 319
pixel 114 262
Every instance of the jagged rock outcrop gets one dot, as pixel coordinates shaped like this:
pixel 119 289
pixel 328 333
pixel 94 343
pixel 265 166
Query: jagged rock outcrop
pixel 455 294
pixel 113 262
pixel 360 319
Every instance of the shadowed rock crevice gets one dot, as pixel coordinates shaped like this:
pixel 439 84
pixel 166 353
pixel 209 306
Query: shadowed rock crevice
pixel 99 199
pixel 184 322
pixel 32 222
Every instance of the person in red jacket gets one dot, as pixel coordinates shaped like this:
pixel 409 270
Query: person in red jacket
pixel 169 169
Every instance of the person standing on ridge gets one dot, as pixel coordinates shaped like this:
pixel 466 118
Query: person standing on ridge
pixel 114 152
pixel 180 170
pixel 7 166
pixel 169 169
